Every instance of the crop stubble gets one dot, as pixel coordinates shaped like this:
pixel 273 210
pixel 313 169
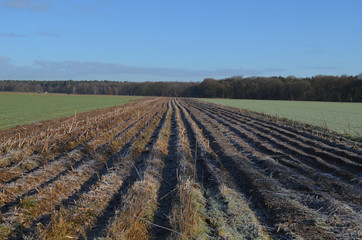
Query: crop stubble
pixel 177 169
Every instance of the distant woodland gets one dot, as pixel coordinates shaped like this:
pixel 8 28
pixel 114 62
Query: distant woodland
pixel 318 88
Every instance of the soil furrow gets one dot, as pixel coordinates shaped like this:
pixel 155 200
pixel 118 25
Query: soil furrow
pixel 178 168
pixel 339 144
pixel 88 173
pixel 257 139
pixel 224 205
pixel 349 160
pixel 78 163
pixel 101 223
pixel 298 173
pixel 168 184
pixel 329 189
pixel 265 190
pixel 45 160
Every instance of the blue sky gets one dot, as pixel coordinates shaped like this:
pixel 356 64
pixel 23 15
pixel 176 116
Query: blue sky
pixel 178 40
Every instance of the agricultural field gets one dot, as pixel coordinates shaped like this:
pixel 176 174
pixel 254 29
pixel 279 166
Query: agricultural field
pixel 22 108
pixel 341 117
pixel 178 168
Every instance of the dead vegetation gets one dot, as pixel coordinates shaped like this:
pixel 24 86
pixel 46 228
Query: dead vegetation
pixel 177 169
pixel 132 220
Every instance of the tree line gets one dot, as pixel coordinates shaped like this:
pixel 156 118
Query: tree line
pixel 169 89
pixel 317 88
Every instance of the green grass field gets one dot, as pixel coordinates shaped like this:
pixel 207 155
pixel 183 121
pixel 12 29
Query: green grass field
pixel 340 117
pixel 20 108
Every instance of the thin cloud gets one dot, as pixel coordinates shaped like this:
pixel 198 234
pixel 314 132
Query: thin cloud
pixel 41 69
pixel 11 34
pixel 322 67
pixel 47 34
pixel 4 59
pixel 273 70
pixel 30 5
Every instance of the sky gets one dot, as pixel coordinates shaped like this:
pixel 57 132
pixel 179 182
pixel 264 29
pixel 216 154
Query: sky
pixel 164 40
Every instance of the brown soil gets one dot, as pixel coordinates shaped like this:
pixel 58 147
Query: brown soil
pixel 250 176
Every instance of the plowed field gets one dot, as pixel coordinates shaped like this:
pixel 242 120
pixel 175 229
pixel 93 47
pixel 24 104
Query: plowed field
pixel 165 168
